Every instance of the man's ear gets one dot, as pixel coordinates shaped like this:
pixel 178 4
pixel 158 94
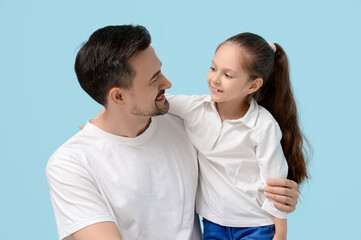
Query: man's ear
pixel 255 85
pixel 116 95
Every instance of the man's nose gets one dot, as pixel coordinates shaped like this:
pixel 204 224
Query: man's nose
pixel 166 84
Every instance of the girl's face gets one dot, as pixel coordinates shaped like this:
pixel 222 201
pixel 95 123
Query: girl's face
pixel 227 81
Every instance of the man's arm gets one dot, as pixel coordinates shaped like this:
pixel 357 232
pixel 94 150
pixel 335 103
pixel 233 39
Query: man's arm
pixel 98 231
pixel 284 192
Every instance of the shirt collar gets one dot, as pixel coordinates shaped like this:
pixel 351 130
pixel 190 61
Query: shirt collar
pixel 209 101
pixel 249 119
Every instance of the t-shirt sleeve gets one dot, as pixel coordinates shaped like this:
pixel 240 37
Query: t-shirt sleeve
pixel 76 199
pixel 271 160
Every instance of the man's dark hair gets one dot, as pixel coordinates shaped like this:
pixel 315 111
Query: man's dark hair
pixel 102 61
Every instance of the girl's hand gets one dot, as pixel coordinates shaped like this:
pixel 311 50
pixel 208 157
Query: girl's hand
pixel 284 192
pixel 98 115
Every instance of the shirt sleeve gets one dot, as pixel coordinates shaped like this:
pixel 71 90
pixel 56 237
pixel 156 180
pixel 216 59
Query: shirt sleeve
pixel 183 106
pixel 271 160
pixel 178 105
pixel 75 197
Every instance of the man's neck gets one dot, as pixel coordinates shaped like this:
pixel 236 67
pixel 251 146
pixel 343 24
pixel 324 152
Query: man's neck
pixel 125 125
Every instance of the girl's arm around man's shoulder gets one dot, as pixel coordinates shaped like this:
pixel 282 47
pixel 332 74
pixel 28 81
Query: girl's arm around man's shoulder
pixel 183 105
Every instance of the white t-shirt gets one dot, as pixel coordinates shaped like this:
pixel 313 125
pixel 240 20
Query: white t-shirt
pixel 235 159
pixel 146 185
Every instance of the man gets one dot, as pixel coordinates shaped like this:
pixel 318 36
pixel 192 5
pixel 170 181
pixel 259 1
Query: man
pixel 129 174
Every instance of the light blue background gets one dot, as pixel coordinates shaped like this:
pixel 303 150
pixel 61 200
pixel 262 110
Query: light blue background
pixel 42 103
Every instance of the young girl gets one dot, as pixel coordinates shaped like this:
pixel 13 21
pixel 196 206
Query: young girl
pixel 246 132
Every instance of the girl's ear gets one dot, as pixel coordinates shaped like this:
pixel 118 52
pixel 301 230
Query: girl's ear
pixel 255 85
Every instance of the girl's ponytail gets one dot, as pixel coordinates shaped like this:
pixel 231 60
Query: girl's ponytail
pixel 277 97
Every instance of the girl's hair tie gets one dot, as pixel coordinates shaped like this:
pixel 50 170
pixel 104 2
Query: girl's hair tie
pixel 272 46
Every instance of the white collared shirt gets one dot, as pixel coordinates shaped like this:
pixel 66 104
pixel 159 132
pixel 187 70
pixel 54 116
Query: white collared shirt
pixel 236 157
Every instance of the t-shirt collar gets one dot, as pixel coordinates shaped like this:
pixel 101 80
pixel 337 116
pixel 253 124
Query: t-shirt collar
pixel 124 140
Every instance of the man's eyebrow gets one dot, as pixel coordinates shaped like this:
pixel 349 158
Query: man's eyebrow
pixel 154 75
pixel 157 73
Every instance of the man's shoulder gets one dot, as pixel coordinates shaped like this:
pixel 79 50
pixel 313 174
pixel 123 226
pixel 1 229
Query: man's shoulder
pixel 170 120
pixel 72 150
pixel 172 126
pixel 170 117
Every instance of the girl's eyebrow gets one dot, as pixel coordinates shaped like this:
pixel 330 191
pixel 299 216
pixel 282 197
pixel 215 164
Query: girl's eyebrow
pixel 226 69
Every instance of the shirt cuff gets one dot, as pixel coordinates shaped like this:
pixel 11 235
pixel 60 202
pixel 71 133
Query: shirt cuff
pixel 268 207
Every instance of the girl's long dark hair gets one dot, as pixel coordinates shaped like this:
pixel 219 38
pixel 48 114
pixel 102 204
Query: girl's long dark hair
pixel 276 96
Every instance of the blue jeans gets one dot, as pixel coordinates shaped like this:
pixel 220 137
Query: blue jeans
pixel 213 231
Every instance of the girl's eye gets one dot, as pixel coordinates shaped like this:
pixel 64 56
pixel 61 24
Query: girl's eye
pixel 228 76
pixel 213 69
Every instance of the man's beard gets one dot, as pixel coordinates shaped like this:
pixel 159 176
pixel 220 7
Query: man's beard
pixel 156 111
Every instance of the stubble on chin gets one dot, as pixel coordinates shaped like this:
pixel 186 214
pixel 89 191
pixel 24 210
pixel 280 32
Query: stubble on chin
pixel 162 110
pixel 156 111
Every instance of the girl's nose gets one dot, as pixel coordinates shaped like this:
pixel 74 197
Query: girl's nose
pixel 216 80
